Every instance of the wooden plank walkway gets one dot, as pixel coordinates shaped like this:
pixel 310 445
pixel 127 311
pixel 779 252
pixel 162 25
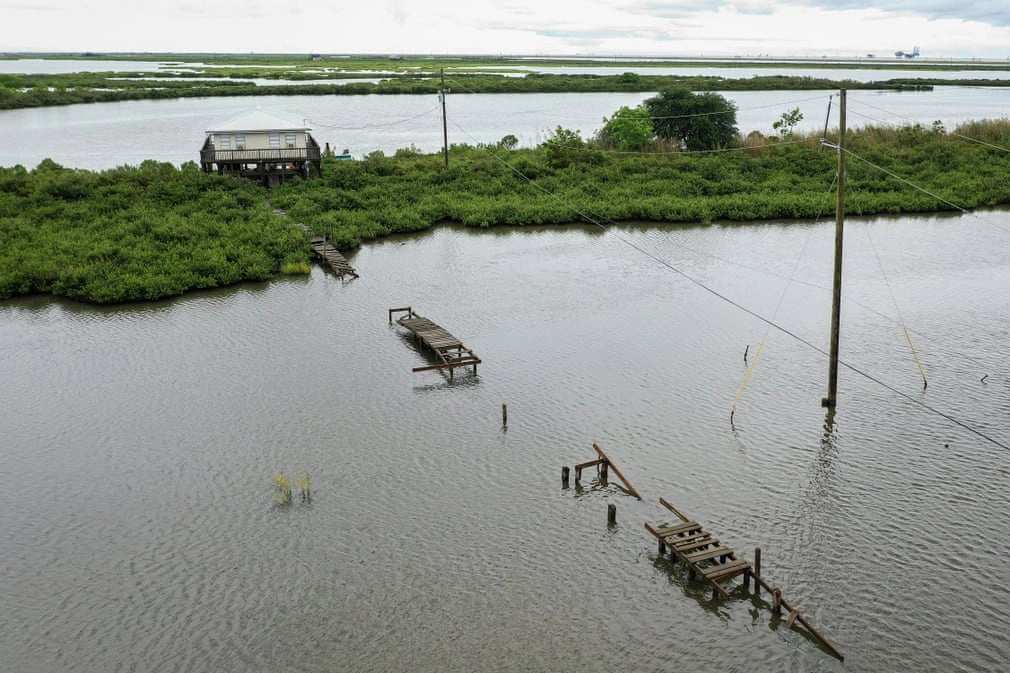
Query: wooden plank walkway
pixel 331 257
pixel 448 349
pixel 704 555
pixel 327 254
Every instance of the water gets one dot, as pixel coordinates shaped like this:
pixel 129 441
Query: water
pixel 140 443
pixel 105 135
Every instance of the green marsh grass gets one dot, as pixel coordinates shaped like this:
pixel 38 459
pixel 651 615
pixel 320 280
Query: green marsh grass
pixel 282 489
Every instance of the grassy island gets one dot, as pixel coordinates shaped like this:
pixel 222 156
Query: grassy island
pixel 141 233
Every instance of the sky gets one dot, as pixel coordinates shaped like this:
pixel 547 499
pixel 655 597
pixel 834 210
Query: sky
pixel 805 28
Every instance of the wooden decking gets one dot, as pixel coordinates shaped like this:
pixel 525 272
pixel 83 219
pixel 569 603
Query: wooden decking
pixel 449 350
pixel 328 255
pixel 331 257
pixel 701 551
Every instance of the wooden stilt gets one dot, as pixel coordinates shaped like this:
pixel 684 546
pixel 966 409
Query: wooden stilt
pixel 611 514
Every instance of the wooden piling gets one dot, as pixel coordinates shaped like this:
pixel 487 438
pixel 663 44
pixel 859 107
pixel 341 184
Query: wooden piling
pixel 757 569
pixel 777 601
pixel 504 414
pixel 627 484
pixel 611 514
pixel 564 476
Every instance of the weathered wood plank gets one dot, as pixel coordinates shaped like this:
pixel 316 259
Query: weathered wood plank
pixel 726 570
pixel 707 554
pixel 688 527
pixel 697 544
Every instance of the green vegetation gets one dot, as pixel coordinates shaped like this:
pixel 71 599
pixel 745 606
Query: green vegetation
pixel 156 231
pixel 704 121
pixel 567 177
pixel 28 91
pixel 136 233
pixel 628 129
pixel 304 485
pixel 282 489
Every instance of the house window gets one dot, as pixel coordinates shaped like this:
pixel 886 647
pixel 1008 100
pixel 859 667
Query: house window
pixel 239 141
pixel 225 142
pixel 289 139
pixel 275 141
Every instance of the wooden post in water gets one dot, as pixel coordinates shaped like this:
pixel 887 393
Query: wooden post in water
pixel 564 476
pixel 777 601
pixel 611 514
pixel 504 409
pixel 757 570
pixel 603 471
pixel 836 294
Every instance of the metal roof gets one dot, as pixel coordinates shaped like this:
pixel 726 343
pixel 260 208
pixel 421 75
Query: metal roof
pixel 260 120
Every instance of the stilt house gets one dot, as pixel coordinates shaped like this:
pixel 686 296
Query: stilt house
pixel 267 146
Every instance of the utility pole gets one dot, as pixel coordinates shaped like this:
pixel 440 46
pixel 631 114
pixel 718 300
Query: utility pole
pixel 445 131
pixel 836 294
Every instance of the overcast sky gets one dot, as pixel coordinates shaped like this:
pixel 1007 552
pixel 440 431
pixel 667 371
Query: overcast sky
pixel 940 28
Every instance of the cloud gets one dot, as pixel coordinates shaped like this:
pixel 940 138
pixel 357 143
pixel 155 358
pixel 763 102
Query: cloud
pixel 992 12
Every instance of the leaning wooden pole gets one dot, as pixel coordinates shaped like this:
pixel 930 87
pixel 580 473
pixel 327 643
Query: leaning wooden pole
pixel 836 294
pixel 627 484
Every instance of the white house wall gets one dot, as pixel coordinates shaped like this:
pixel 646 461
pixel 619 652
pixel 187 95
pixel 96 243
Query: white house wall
pixel 258 140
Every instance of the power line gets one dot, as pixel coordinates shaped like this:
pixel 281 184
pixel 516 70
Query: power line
pixel 731 302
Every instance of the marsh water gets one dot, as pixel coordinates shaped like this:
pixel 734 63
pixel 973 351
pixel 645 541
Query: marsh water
pixel 140 444
pixel 106 135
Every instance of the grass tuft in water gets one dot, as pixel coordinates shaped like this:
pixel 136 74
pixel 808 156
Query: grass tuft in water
pixel 305 485
pixel 282 489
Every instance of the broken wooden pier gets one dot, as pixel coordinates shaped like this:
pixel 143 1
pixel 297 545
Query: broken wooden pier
pixel 704 555
pixel 325 251
pixel 602 465
pixel 708 558
pixel 331 257
pixel 449 350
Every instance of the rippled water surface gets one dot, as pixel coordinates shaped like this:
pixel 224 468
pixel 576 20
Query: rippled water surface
pixel 139 445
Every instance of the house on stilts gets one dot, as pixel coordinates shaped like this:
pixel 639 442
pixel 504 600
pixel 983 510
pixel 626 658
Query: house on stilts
pixel 266 146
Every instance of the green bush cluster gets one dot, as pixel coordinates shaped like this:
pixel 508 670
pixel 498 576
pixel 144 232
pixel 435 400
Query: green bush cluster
pixel 136 233
pixel 764 179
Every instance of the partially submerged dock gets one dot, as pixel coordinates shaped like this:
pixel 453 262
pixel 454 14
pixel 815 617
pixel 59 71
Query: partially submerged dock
pixel 708 558
pixel 326 253
pixel 449 350
pixel 331 257
pixel 704 555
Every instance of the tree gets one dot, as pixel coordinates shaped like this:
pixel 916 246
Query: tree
pixel 508 142
pixel 628 128
pixel 703 121
pixel 784 126
pixel 563 147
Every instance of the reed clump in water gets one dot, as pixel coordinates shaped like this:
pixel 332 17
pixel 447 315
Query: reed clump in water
pixel 304 484
pixel 282 489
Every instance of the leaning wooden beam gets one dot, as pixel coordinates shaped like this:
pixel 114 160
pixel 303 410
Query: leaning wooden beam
pixel 664 503
pixel 627 484
pixel 794 615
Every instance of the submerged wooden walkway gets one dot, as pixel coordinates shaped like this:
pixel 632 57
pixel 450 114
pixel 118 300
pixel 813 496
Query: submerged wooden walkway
pixel 330 256
pixel 447 348
pixel 704 555
pixel 708 558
